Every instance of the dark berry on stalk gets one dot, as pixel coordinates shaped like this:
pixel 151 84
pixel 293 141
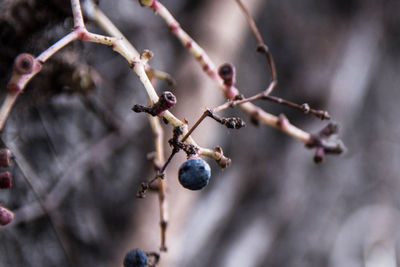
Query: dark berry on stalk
pixel 194 174
pixel 135 258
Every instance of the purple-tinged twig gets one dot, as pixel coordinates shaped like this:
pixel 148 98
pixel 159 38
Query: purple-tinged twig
pixel 198 52
pixel 26 66
pixel 77 14
pixel 227 73
pixel 321 114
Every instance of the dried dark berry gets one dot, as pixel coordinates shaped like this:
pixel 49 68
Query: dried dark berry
pixel 194 174
pixel 135 258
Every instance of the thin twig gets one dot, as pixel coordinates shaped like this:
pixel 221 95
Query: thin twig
pixel 77 13
pixel 202 117
pixel 321 114
pixel 159 157
pixel 262 47
pixel 26 172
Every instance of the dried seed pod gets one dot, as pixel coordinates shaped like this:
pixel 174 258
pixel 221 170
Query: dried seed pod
pixel 5 180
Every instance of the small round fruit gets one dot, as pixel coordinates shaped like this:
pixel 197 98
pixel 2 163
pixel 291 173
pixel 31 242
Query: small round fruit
pixel 135 258
pixel 194 174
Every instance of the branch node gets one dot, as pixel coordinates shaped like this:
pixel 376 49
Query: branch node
pixel 146 55
pixel 326 142
pixel 221 160
pixel 282 121
pixel 262 48
pixel 306 108
pixel 143 188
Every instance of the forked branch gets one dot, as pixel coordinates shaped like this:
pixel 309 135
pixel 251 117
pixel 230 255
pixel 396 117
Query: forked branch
pixel 228 88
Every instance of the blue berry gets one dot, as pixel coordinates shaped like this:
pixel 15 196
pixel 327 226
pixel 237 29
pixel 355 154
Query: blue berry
pixel 135 258
pixel 194 174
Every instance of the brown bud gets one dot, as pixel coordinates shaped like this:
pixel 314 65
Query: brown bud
pixel 5 157
pixel 5 180
pixel 6 216
pixel 306 108
pixel 227 73
pixel 24 63
pixel 166 101
pixel 282 121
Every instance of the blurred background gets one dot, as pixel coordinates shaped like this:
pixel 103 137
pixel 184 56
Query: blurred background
pixel 84 151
